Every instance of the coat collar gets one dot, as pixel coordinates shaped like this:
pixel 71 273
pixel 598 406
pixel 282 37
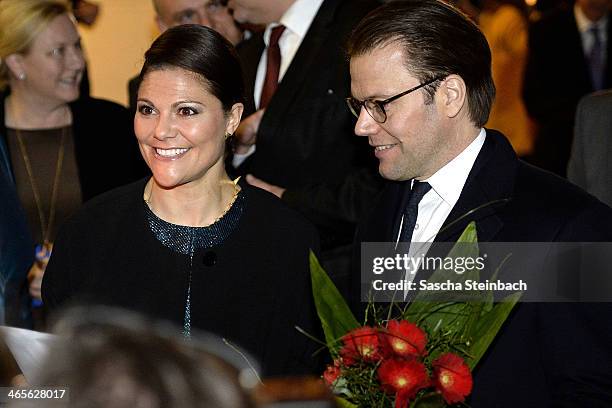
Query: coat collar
pixel 488 189
pixel 5 158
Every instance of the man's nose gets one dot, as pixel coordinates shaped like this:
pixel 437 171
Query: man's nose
pixel 365 125
pixel 204 19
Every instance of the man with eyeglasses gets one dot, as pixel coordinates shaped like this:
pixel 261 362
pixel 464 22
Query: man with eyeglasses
pixel 422 90
pixel 209 13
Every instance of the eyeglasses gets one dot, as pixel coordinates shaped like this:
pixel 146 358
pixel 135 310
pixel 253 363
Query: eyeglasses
pixel 376 109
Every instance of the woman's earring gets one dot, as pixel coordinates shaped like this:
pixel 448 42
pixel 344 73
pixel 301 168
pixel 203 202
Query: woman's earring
pixel 227 135
pixel 21 76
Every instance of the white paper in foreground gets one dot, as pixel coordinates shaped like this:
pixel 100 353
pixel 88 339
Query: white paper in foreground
pixel 30 348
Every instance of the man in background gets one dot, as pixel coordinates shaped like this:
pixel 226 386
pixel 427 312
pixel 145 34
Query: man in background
pixel 569 51
pixel 590 165
pixel 296 136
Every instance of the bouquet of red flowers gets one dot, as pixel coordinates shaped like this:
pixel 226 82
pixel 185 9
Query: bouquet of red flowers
pixel 419 355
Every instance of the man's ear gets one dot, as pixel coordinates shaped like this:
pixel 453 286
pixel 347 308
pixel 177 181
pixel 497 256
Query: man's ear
pixel 161 26
pixel 454 95
pixel 14 62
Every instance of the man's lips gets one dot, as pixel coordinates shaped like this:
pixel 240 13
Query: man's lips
pixel 382 149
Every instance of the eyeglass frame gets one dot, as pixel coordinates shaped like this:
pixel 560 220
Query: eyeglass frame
pixel 381 104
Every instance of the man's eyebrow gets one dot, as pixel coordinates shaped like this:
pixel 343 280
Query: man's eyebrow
pixel 375 97
pixel 181 13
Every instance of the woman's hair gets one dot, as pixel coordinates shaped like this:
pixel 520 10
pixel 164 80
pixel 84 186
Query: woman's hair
pixel 20 22
pixel 204 52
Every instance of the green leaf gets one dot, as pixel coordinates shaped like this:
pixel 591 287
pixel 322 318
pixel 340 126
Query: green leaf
pixel 488 326
pixel 335 315
pixel 342 403
pixel 429 400
pixel 427 309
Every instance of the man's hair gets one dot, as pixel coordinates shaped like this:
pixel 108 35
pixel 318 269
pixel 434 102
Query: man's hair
pixel 438 40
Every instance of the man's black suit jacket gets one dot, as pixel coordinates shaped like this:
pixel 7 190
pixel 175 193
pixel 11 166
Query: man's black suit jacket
pixel 556 77
pixel 547 354
pixel 306 141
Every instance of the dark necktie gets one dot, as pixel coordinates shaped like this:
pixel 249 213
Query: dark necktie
pixel 273 67
pixel 595 59
pixel 419 189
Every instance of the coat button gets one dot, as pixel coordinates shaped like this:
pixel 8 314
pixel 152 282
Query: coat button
pixel 210 258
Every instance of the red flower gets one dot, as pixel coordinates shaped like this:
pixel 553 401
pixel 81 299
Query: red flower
pixel 362 344
pixel 331 374
pixel 406 339
pixel 452 377
pixel 404 378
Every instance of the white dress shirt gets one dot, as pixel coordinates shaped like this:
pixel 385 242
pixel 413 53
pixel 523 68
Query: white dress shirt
pixel 446 186
pixel 584 25
pixel 435 206
pixel 297 20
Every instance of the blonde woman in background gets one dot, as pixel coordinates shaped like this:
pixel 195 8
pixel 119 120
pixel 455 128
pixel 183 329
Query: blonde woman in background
pixel 58 150
pixel 504 25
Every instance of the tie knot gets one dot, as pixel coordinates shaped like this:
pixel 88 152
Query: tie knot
pixel 276 34
pixel 419 189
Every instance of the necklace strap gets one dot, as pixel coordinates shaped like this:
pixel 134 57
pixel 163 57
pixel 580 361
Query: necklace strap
pixel 45 226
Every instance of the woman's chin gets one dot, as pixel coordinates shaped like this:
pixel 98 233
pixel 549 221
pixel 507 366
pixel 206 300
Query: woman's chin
pixel 167 183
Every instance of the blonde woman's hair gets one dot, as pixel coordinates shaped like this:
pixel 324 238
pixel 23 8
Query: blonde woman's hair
pixel 20 22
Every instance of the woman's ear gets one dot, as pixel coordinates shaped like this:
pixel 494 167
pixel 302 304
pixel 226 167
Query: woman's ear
pixel 454 95
pixel 233 118
pixel 14 62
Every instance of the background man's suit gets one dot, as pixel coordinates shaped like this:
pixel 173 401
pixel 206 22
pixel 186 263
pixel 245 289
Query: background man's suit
pixel 556 77
pixel 554 354
pixel 305 141
pixel 590 164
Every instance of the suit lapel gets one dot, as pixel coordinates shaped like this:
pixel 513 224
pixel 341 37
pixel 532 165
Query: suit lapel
pixel 574 42
pixel 250 52
pixel 297 75
pixel 487 190
pixel 607 80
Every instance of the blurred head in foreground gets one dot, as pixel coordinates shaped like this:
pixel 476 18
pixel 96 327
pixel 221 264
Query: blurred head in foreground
pixel 115 359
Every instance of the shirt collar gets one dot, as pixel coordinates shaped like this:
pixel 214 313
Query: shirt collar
pixel 448 182
pixel 584 23
pixel 297 18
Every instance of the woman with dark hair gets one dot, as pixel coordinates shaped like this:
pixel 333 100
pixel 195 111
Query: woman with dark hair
pixel 189 244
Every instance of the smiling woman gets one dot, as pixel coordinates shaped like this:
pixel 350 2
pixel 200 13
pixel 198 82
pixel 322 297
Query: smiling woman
pixel 189 244
pixel 50 140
